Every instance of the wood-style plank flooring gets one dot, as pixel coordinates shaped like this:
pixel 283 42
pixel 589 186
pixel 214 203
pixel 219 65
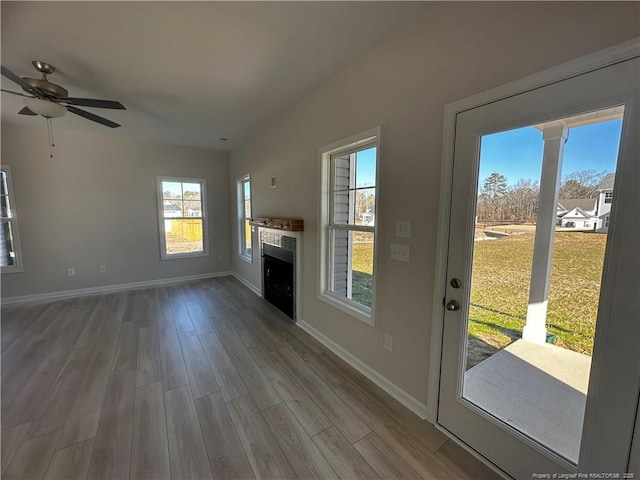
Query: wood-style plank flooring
pixel 197 380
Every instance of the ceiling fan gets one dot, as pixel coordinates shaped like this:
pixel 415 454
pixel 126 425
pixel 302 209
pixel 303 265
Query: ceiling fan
pixel 50 100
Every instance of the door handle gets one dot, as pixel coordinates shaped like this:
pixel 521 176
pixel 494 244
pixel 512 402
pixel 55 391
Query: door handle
pixel 452 306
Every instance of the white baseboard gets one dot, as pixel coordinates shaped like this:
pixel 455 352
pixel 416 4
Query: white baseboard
pixel 408 400
pixel 247 283
pixel 40 297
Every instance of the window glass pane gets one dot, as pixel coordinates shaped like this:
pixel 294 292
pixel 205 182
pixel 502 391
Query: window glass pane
pixel 183 236
pixel 191 191
pixel 247 190
pixel 366 168
pixel 4 196
pixel 365 206
pixel 172 190
pixel 362 268
pixel 343 207
pixel 171 208
pixel 352 261
pixel 247 238
pixel 7 254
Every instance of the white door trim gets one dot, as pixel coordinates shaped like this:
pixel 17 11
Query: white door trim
pixel 593 61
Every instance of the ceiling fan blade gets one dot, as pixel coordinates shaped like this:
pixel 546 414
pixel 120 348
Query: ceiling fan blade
pixel 16 79
pixel 92 102
pixel 92 117
pixel 15 93
pixel 26 111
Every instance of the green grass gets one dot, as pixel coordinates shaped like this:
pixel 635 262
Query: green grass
pixel 500 289
pixel 362 276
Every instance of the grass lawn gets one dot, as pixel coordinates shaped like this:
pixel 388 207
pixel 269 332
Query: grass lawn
pixel 362 279
pixel 500 290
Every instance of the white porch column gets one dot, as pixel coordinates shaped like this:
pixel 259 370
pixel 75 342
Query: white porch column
pixel 554 135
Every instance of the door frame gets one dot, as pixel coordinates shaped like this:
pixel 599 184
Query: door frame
pixel 582 65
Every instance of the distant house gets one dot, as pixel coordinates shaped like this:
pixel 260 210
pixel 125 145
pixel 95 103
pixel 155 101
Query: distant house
pixel 588 213
pixel 577 213
pixel 194 212
pixel 171 209
pixel 605 199
pixel 368 218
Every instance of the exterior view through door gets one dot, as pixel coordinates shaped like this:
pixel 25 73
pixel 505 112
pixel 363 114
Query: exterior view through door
pixel 540 365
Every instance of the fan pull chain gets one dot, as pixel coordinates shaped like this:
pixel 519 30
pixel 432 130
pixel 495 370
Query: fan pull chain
pixel 50 132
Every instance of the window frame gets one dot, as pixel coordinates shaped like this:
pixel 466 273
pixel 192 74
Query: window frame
pixel 242 250
pixel 361 141
pixel 13 222
pixel 161 218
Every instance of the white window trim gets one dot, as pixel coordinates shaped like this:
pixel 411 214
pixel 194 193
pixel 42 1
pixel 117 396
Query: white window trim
pixel 242 254
pixel 18 267
pixel 354 309
pixel 161 219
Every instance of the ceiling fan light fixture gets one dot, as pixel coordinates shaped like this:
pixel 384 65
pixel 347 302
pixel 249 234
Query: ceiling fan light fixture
pixel 45 108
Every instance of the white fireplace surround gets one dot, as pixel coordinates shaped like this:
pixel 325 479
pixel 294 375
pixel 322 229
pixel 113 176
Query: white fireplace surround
pixel 297 280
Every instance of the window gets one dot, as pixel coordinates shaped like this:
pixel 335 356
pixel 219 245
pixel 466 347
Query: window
pixel 349 171
pixel 244 215
pixel 182 217
pixel 608 197
pixel 10 258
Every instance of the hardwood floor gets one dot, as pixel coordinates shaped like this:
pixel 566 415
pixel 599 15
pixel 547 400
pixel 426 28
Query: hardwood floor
pixel 197 380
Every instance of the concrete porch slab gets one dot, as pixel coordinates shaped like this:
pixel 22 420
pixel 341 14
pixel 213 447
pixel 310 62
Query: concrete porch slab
pixel 540 390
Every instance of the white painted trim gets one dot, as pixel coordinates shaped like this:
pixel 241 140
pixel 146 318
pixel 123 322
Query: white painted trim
pixel 40 297
pixel 587 63
pixel 347 145
pixel 247 283
pixel 406 399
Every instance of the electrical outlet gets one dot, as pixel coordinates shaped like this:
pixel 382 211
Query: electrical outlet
pixel 403 229
pixel 400 252
pixel 71 272
pixel 102 268
pixel 388 342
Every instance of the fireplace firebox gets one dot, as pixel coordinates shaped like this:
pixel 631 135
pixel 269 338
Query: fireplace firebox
pixel 278 276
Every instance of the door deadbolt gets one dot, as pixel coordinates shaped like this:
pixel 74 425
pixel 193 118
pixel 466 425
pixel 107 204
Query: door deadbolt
pixel 452 306
pixel 455 283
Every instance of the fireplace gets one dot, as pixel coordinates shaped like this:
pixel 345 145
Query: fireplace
pixel 277 277
pixel 280 269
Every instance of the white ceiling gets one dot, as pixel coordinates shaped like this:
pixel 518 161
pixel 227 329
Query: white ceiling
pixel 189 72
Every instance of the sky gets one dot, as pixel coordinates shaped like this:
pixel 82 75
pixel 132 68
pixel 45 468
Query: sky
pixel 366 168
pixel 517 153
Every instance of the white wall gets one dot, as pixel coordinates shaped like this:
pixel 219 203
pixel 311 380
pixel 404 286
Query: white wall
pixel 94 204
pixel 403 84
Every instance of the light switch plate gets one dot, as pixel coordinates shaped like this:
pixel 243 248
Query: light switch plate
pixel 403 229
pixel 400 252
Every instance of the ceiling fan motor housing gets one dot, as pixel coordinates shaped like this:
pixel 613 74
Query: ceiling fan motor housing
pixel 48 88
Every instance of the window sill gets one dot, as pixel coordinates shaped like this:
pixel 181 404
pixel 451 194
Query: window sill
pixel 12 270
pixel 349 309
pixel 246 258
pixel 178 256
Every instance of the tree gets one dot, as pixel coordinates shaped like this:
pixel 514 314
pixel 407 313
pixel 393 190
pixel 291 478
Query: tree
pixel 494 188
pixel 495 185
pixel 581 184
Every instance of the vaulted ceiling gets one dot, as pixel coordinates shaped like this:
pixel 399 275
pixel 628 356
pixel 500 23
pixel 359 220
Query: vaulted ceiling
pixel 190 73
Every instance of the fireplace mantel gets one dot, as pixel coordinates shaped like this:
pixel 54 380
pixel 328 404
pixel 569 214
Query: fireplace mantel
pixel 285 224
